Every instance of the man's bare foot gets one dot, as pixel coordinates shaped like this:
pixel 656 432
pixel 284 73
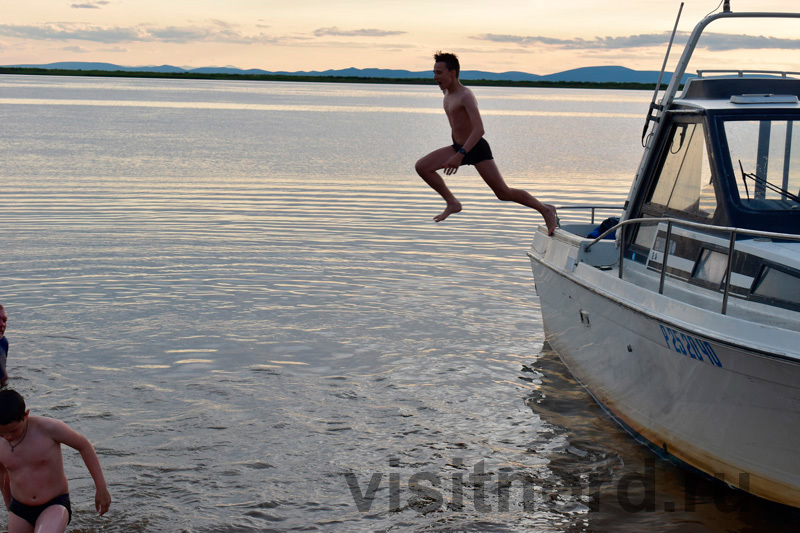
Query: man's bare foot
pixel 451 208
pixel 550 218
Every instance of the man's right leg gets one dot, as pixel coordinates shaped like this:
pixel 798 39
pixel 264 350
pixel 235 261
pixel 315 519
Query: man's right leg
pixel 427 169
pixel 17 524
pixel 491 175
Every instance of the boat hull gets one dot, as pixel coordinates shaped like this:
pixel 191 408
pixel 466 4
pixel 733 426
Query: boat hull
pixel 721 406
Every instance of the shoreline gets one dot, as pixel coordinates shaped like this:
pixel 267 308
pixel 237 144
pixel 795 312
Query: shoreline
pixel 26 71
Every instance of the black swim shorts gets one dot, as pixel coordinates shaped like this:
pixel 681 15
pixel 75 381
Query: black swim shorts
pixel 480 152
pixel 31 513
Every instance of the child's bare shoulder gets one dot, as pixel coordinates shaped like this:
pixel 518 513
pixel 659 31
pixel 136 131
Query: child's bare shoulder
pixel 60 432
pixel 48 425
pixel 44 420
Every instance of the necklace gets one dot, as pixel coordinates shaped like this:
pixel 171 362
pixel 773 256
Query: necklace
pixel 13 446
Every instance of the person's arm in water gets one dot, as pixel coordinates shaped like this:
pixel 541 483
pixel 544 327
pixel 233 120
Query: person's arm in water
pixel 64 434
pixel 5 485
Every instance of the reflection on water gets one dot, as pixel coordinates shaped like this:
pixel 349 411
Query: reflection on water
pixel 256 322
pixel 631 489
pixel 301 108
pixel 215 105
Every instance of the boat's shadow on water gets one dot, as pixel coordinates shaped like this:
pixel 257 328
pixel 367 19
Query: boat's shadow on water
pixel 625 485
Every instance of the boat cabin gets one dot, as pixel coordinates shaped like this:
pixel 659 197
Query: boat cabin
pixel 682 320
pixel 726 154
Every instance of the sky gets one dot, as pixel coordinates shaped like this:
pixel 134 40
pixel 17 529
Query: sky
pixel 535 36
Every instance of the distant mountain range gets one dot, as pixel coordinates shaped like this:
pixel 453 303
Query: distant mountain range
pixel 606 74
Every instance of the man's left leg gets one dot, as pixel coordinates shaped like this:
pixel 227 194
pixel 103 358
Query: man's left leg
pixel 427 168
pixel 54 519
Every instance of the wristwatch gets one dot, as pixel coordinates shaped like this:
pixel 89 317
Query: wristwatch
pixel 462 151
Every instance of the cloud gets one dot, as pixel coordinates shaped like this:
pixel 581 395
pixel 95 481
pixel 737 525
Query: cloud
pixel 91 5
pixel 215 32
pixel 578 43
pixel 336 32
pixel 76 49
pixel 710 41
pixel 212 31
pixel 67 32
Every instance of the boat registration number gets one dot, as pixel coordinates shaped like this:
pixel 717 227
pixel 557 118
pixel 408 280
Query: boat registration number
pixel 689 346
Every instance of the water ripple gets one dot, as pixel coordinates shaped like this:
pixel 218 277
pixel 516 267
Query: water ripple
pixel 253 317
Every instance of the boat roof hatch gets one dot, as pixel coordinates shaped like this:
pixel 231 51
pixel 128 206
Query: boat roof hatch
pixel 764 99
pixel 743 90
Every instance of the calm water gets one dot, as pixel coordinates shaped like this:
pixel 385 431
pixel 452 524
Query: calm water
pixel 236 291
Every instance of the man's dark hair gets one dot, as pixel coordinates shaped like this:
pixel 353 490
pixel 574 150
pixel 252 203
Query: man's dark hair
pixel 450 61
pixel 12 407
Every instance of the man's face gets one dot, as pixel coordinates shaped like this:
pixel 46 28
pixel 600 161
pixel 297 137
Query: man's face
pixel 3 321
pixel 443 76
pixel 14 431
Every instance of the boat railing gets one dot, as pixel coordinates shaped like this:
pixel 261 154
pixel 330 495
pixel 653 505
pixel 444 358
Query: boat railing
pixel 592 208
pixel 733 234
pixel 743 73
pixel 691 44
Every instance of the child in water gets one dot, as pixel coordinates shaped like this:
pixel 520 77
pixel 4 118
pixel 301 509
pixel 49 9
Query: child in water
pixel 34 485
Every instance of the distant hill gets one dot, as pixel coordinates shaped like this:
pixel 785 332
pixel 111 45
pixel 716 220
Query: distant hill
pixel 605 74
pixel 75 65
pixel 608 74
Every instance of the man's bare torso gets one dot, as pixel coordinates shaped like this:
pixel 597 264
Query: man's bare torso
pixel 460 124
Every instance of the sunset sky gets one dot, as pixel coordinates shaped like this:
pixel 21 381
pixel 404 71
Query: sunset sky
pixel 536 36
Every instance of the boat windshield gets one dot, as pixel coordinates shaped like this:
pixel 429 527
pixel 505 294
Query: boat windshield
pixel 684 183
pixel 766 156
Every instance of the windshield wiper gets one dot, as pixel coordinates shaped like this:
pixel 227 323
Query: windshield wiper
pixel 744 179
pixel 772 187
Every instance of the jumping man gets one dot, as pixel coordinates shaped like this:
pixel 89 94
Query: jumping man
pixel 469 147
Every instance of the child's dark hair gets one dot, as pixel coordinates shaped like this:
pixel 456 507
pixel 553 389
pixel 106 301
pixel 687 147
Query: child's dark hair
pixel 450 60
pixel 12 407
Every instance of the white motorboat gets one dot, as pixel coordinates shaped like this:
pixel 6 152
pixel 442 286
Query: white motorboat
pixel 685 325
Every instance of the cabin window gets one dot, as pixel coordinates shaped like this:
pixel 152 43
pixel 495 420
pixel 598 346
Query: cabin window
pixel 776 284
pixel 765 155
pixel 711 267
pixel 684 183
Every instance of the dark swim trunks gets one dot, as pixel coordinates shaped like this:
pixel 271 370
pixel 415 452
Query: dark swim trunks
pixel 31 513
pixel 480 152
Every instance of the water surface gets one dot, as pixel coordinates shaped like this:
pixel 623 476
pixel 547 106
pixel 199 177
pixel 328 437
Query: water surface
pixel 236 291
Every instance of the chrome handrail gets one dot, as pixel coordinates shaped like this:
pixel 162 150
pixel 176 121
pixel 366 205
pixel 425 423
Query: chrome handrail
pixel 733 233
pixel 740 73
pixel 592 207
